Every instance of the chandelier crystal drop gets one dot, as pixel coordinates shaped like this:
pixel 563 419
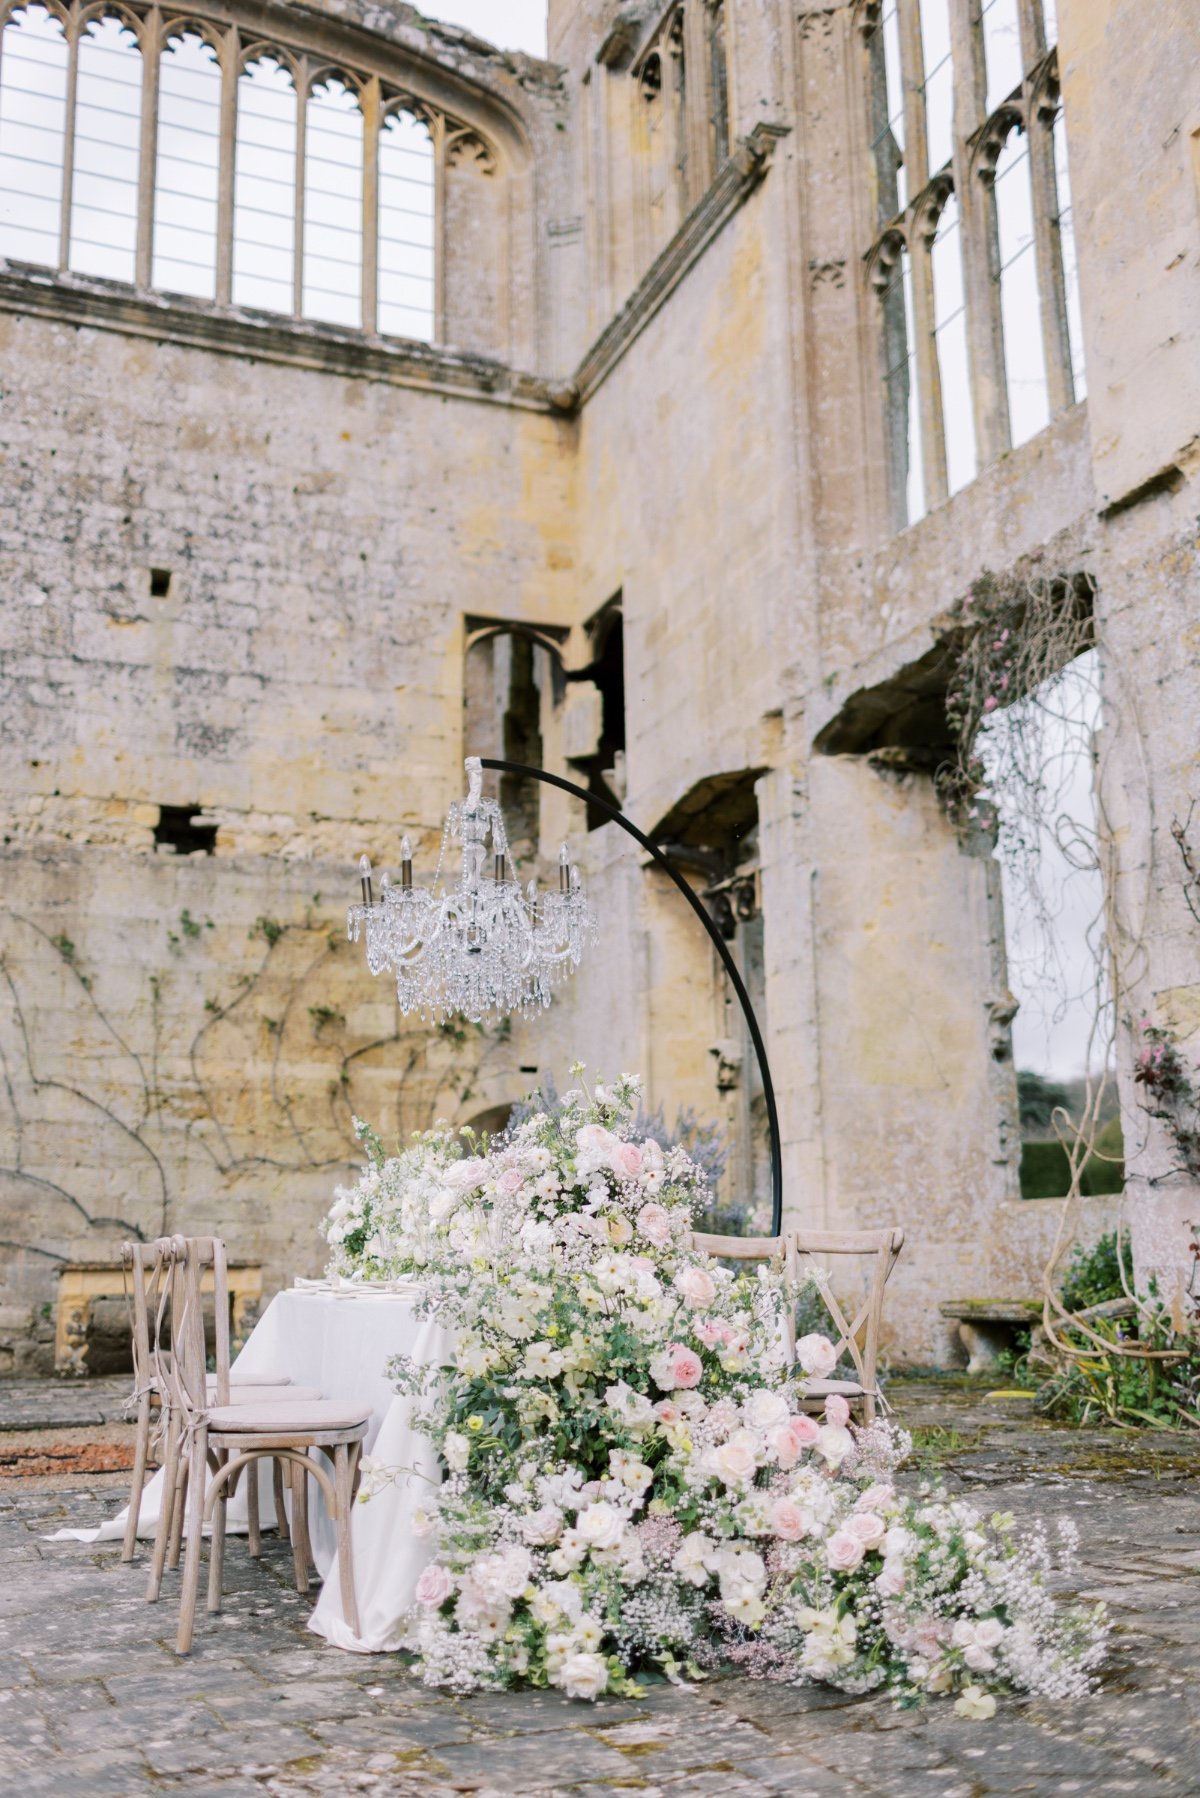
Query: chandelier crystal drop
pixel 484 946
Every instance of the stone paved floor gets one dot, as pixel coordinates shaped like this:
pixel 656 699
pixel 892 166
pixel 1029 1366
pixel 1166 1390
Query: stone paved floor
pixel 94 1702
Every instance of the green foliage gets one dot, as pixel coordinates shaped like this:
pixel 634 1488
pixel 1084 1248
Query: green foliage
pixel 65 947
pixel 1046 1170
pixel 1103 1382
pixel 1038 1099
pixel 1093 1275
pixel 188 925
pixel 324 1014
pixel 269 929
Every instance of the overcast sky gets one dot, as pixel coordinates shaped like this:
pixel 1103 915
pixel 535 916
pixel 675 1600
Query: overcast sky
pixel 512 24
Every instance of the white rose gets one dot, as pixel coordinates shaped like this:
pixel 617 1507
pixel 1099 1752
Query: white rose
pixel 734 1461
pixel 600 1525
pixel 817 1356
pixel 833 1444
pixel 583 1675
pixel 543 1528
pixel 765 1409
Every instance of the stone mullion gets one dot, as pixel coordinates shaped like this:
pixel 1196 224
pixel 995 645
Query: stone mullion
pixel 151 37
pixel 230 59
pixel 929 379
pixel 1047 249
pixel 916 157
pixel 677 171
pixel 438 135
pixel 916 149
pixel 371 106
pixel 303 73
pixel 977 238
pixel 1032 32
pixel 701 167
pixel 68 169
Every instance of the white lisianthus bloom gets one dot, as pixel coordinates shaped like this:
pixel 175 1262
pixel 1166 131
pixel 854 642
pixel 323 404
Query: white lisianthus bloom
pixel 569 1553
pixel 693 1559
pixel 457 1451
pixel 975 1704
pixel 633 1408
pixel 744 1604
pixel 542 1362
pixel 566 1596
pixel 583 1675
pixel 589 1633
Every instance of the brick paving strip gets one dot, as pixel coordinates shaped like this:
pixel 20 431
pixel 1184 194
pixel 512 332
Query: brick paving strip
pixel 93 1700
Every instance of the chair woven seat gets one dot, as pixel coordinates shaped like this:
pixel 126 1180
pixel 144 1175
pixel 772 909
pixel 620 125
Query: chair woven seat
pixel 288 1419
pixel 830 1388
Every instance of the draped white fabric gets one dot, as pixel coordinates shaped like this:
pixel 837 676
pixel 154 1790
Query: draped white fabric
pixel 341 1345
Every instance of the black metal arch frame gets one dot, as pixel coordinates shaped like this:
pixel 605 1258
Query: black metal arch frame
pixel 718 942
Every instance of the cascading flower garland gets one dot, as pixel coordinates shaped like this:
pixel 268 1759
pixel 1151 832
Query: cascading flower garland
pixel 634 1487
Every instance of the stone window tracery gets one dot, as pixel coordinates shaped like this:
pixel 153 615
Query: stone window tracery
pixel 681 119
pixel 184 154
pixel 974 258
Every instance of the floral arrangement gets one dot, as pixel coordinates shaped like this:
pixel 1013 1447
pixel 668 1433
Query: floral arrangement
pixel 634 1488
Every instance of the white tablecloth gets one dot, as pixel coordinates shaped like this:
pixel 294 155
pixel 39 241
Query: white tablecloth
pixel 341 1346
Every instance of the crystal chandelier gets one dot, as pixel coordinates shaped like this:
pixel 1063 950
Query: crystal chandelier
pixel 483 946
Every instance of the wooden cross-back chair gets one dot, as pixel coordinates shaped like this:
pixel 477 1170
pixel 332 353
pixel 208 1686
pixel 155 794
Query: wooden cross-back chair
pixel 234 1437
pixel 749 1248
pixel 148 1269
pixel 856 1336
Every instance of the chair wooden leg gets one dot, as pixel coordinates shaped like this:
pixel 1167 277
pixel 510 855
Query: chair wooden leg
pixel 343 1475
pixel 141 1450
pixel 197 1470
pixel 253 1526
pixel 216 1541
pixel 166 1511
pixel 300 1554
pixel 281 1516
pixel 178 1514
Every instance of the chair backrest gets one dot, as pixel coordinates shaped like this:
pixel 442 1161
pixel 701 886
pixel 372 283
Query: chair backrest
pixel 857 1336
pixel 738 1248
pixel 191 1258
pixel 145 1266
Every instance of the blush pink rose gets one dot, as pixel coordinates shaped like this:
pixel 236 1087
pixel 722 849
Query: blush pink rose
pixel 627 1161
pixel 686 1366
pixel 788 1521
pixel 434 1586
pixel 869 1528
pixel 837 1410
pixel 511 1180
pixel 787 1441
pixel 875 1497
pixel 844 1551
pixel 696 1287
pixel 654 1223
pixel 666 1412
